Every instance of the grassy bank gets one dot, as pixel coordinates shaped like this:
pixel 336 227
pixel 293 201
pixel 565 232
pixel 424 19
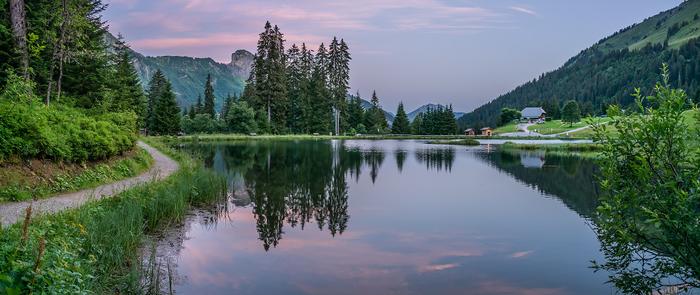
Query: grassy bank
pixel 467 142
pixel 237 137
pixel 582 149
pixel 94 249
pixel 41 178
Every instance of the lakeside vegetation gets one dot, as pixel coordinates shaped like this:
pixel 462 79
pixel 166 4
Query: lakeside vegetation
pixel 96 248
pixel 648 221
pixel 40 179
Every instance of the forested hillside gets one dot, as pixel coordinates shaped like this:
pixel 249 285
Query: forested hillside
pixel 607 72
pixel 188 74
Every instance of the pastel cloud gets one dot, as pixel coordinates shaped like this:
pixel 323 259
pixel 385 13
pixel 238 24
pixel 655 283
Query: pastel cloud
pixel 521 254
pixel 523 10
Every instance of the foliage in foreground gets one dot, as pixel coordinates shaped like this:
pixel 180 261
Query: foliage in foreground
pixel 649 222
pixel 93 249
pixel 22 189
pixel 29 129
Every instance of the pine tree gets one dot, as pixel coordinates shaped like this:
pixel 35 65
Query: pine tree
pixel 338 80
pixel 163 111
pixel 167 112
pixel 128 93
pixel 374 118
pixel 417 125
pixel 355 111
pixel 320 114
pixel 269 79
pixel 295 80
pixel 307 64
pixel 209 98
pixel 401 125
pixel 155 89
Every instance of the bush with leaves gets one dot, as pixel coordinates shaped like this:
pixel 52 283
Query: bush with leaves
pixel 649 220
pixel 29 129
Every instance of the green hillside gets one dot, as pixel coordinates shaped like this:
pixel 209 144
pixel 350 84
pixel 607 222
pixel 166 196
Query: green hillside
pixel 607 72
pixel 188 75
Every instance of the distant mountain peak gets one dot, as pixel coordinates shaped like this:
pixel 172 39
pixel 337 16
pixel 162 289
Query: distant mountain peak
pixel 241 62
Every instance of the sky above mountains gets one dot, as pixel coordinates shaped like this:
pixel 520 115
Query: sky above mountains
pixel 416 51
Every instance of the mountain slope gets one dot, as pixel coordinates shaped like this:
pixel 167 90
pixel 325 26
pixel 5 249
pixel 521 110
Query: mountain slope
pixel 607 72
pixel 188 75
pixel 424 108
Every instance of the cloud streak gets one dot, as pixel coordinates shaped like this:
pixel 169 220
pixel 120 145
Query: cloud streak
pixel 523 10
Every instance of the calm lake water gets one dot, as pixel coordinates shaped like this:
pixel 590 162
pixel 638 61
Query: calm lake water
pixel 392 217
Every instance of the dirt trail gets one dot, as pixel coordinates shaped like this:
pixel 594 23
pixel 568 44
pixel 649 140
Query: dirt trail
pixel 162 167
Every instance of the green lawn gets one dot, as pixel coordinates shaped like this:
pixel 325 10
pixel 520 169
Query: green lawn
pixel 511 127
pixel 557 126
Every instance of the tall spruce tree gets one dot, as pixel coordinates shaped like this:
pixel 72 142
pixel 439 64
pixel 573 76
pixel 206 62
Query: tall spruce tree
pixel 401 125
pixel 167 112
pixel 320 117
pixel 128 93
pixel 269 78
pixel 209 98
pixel 338 80
pixel 374 117
pixel 307 62
pixel 155 88
pixel 295 88
pixel 163 111
pixel 355 111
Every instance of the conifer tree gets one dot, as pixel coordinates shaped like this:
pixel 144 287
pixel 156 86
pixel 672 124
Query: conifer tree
pixel 163 111
pixel 374 117
pixel 167 112
pixel 295 90
pixel 401 125
pixel 417 125
pixel 355 111
pixel 307 62
pixel 338 79
pixel 320 115
pixel 128 93
pixel 155 88
pixel 209 98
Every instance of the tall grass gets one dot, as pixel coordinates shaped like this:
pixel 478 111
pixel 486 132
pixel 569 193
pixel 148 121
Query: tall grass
pixel 95 249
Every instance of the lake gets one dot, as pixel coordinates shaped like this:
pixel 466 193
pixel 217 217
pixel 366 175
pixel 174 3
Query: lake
pixel 391 217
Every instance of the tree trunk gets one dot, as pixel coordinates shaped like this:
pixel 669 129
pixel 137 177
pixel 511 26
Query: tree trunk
pixel 58 53
pixel 19 30
pixel 62 48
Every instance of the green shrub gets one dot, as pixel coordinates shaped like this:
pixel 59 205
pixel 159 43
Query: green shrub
pixel 31 130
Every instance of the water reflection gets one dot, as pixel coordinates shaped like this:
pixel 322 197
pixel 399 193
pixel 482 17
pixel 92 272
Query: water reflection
pixel 479 226
pixel 436 158
pixel 571 179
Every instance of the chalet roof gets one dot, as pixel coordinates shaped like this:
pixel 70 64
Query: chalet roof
pixel 485 128
pixel 532 112
pixel 469 129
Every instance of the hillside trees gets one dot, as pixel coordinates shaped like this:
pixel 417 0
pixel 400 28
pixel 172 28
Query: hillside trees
pixel 600 77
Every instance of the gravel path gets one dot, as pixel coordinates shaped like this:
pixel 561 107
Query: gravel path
pixel 162 167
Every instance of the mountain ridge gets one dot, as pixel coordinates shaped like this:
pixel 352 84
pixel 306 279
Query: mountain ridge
pixel 608 71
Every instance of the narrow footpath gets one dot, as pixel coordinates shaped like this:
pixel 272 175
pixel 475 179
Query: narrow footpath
pixel 162 167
